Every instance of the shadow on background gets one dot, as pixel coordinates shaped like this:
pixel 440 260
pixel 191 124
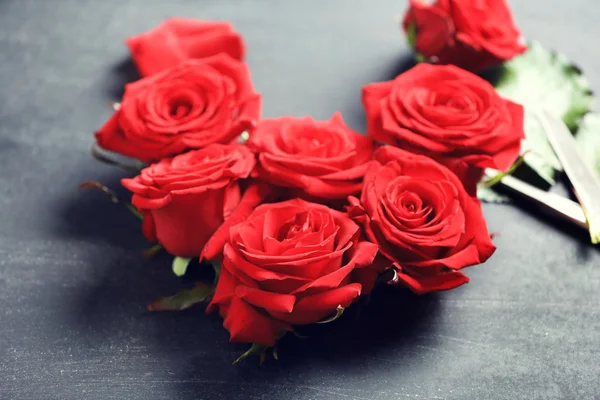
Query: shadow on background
pixel 90 214
pixel 404 64
pixel 356 117
pixel 382 331
pixel 124 72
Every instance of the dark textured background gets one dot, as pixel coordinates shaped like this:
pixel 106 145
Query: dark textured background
pixel 73 286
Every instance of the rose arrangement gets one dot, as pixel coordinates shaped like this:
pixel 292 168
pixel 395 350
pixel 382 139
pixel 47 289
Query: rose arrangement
pixel 299 217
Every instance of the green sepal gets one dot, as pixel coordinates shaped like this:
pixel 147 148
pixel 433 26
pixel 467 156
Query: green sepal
pixel 244 136
pixel 338 313
pixel 180 265
pixel 489 195
pixel 255 350
pixel 411 36
pixel 152 251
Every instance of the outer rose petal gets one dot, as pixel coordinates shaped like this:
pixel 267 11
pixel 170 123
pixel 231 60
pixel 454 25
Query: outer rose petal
pixel 507 156
pixel 178 39
pixel 239 72
pixel 148 226
pixel 183 228
pixel 367 277
pixel 252 197
pixel 111 137
pixel 469 175
pixel 317 307
pixel 372 96
pixel 269 301
pixel 445 281
pixel 224 291
pixel 246 324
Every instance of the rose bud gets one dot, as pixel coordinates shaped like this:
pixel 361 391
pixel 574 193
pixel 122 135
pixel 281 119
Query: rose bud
pixel 185 199
pixel 287 264
pixel 197 103
pixel 423 220
pixel 448 114
pixel 473 35
pixel 178 39
pixel 323 160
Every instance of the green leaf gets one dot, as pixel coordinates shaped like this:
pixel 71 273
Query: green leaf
pixel 152 251
pixel 180 265
pixel 411 34
pixel 543 79
pixel 489 195
pixel 588 138
pixel 183 299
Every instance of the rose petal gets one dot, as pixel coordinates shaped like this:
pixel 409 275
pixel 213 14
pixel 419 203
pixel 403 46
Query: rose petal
pixel 248 325
pixel 422 285
pixel 315 308
pixel 253 196
pixel 272 302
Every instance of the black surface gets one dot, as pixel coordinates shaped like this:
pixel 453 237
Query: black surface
pixel 73 286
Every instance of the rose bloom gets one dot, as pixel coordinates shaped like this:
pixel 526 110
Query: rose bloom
pixel 423 220
pixel 185 199
pixel 471 34
pixel 196 103
pixel 322 159
pixel 289 263
pixel 445 113
pixel 178 39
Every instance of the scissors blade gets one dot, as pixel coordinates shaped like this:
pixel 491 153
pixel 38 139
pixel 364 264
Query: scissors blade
pixel 559 206
pixel 585 182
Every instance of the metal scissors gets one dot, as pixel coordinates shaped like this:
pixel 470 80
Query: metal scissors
pixel 586 185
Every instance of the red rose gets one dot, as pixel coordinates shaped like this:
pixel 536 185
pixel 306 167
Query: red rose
pixel 289 263
pixel 471 34
pixel 185 199
pixel 423 220
pixel 179 39
pixel 324 159
pixel 197 103
pixel 446 113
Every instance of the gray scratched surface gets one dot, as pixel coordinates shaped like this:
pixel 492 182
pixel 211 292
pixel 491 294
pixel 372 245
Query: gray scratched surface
pixel 73 286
